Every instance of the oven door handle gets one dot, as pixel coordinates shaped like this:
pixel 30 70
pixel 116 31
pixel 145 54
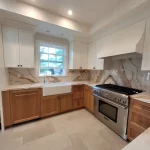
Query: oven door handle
pixel 110 102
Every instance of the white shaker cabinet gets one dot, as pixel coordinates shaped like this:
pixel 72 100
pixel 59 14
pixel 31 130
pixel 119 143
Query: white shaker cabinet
pixel 11 46
pixel 18 48
pixel 93 62
pixel 146 51
pixel 78 55
pixel 26 49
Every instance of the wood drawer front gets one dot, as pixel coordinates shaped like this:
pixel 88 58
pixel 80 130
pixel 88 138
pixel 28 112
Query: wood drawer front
pixel 88 88
pixel 138 118
pixel 135 104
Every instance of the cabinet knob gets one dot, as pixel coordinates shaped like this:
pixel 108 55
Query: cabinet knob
pixel 94 67
pixel 18 65
pixel 80 68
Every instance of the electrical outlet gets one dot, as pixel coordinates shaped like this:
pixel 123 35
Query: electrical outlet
pixel 148 75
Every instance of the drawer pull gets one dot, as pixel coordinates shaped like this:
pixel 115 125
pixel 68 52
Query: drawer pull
pixel 26 94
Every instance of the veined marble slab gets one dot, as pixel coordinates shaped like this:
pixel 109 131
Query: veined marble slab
pixel 143 97
pixel 40 85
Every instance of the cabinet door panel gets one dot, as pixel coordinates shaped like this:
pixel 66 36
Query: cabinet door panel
pixel 77 103
pixel 26 48
pixel 66 102
pixel 24 105
pixel 11 46
pixel 50 106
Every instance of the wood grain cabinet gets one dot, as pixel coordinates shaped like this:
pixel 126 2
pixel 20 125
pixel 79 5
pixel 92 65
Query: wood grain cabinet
pixel 49 105
pixel 78 96
pixel 88 98
pixel 24 105
pixel 66 102
pixel 139 118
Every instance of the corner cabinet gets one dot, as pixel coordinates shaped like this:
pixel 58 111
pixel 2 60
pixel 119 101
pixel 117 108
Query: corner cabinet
pixel 139 118
pixel 78 55
pixel 18 48
pixel 93 62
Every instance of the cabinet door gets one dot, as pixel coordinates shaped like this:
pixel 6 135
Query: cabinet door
pixel 11 46
pixel 91 60
pixel 79 55
pixel 77 103
pixel 25 105
pixel 50 105
pixel 83 55
pixel 88 99
pixel 78 91
pixel 66 102
pixel 146 51
pixel 26 44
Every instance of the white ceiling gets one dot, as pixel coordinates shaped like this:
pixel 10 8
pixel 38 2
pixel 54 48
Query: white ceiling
pixel 84 11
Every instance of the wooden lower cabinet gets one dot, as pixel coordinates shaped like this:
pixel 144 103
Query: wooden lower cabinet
pixel 52 105
pixel 49 105
pixel 139 118
pixel 24 105
pixel 78 96
pixel 66 103
pixel 6 109
pixel 88 98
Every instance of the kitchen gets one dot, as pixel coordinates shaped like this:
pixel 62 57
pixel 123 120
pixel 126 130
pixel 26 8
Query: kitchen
pixel 72 78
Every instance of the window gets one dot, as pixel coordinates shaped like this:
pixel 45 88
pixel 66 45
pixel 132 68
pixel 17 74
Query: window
pixel 51 60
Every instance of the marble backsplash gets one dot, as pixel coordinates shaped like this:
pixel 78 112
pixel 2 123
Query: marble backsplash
pixel 28 76
pixel 124 72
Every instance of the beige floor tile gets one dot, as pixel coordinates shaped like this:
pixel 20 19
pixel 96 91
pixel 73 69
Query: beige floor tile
pixel 93 141
pixel 113 139
pixel 77 130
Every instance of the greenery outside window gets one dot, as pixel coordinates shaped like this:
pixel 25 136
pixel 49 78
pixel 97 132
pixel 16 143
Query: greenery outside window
pixel 51 60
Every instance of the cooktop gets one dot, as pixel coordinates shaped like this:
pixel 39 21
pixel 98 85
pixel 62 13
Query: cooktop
pixel 119 89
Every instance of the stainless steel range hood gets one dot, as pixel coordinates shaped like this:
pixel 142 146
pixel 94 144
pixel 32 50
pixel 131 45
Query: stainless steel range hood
pixel 127 42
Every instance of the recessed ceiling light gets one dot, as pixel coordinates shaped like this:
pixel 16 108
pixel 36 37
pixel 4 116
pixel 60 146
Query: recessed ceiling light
pixel 70 12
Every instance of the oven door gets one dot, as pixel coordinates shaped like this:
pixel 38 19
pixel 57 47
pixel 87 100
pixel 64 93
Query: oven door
pixel 111 114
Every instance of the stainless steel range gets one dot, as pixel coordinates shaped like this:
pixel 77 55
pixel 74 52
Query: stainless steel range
pixel 111 105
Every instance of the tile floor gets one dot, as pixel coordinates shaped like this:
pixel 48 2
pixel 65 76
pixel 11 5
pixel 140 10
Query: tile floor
pixel 77 130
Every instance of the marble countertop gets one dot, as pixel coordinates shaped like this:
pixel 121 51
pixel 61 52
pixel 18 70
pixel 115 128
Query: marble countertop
pixel 142 142
pixel 40 85
pixel 143 97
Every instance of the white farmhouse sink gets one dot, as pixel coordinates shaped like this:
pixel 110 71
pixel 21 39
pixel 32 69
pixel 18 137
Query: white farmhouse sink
pixel 56 88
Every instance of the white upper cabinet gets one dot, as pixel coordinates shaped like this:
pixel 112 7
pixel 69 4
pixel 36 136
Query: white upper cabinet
pixel 93 62
pixel 146 51
pixel 78 55
pixel 11 46
pixel 18 48
pixel 26 48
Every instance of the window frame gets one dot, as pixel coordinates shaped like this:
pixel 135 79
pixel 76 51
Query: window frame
pixel 53 45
